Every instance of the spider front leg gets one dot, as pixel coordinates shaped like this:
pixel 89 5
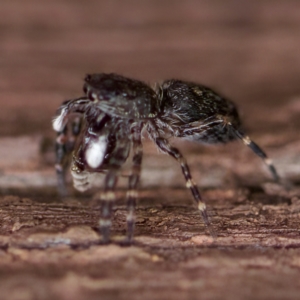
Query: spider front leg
pixel 61 161
pixel 81 172
pixel 64 143
pixel 165 147
pixel 133 181
pixel 63 147
pixel 76 129
pixel 108 198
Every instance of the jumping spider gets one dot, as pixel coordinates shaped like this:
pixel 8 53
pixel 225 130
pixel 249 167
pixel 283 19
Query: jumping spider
pixel 109 120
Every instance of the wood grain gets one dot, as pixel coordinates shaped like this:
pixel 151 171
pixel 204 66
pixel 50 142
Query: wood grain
pixel 248 50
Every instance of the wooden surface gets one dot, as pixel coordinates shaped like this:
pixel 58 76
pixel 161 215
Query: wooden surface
pixel 49 247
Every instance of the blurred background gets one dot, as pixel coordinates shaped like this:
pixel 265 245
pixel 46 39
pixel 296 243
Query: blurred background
pixel 246 50
pixel 249 51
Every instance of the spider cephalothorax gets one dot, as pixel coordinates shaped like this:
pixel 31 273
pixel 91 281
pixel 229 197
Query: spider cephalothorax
pixel 108 122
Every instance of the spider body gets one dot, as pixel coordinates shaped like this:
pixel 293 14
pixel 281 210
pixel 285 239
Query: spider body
pixel 197 113
pixel 108 124
pixel 121 97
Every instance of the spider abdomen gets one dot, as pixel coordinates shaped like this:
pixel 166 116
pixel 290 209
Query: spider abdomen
pixel 198 113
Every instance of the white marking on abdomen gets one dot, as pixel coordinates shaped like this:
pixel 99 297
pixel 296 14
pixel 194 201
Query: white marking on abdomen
pixel 95 152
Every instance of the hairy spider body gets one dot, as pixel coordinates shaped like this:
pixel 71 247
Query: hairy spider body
pixel 111 116
pixel 197 113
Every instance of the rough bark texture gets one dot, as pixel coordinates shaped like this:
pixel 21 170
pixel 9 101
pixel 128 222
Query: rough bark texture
pixel 50 248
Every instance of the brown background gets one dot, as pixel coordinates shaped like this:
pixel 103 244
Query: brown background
pixel 248 50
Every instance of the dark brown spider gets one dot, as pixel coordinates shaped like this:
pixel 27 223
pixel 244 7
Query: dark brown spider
pixel 114 111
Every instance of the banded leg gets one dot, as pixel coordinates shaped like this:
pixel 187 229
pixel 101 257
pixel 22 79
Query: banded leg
pixel 133 181
pixel 81 176
pixel 258 151
pixel 64 145
pixel 165 147
pixel 108 198
pixel 76 129
pixel 61 163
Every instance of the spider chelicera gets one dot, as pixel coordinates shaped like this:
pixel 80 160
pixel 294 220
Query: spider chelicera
pixel 107 122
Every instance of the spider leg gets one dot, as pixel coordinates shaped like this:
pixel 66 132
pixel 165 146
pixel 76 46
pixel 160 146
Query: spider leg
pixel 132 193
pixel 61 161
pixel 76 129
pixel 245 139
pixel 108 198
pixel 165 147
pixel 81 173
pixel 258 151
pixel 64 144
pixel 63 147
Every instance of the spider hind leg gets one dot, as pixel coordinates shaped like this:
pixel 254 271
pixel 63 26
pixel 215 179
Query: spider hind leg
pixel 165 147
pixel 259 152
